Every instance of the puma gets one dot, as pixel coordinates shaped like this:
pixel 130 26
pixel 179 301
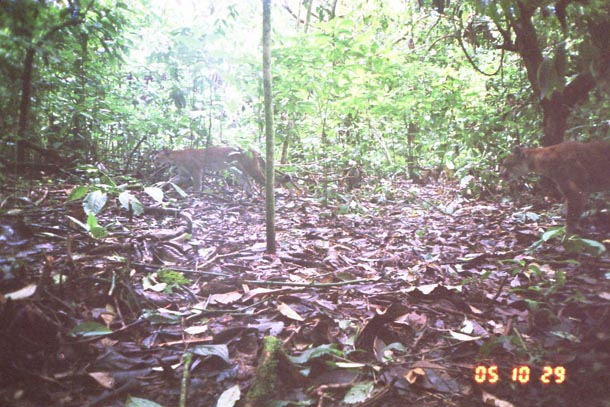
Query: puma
pixel 577 169
pixel 193 163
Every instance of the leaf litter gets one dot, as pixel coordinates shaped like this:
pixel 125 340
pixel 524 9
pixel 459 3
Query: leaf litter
pixel 383 299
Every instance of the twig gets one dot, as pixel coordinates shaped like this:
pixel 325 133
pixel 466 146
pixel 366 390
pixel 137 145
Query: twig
pixel 186 376
pixel 312 284
pixel 130 385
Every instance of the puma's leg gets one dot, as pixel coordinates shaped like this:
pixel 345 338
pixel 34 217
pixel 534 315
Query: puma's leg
pixel 197 180
pixel 575 199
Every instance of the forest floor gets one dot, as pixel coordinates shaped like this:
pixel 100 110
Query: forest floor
pixel 397 294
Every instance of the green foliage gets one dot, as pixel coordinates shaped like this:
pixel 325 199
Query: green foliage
pixel 388 103
pixel 95 197
pixel 91 226
pixel 383 85
pixel 76 51
pixel 573 244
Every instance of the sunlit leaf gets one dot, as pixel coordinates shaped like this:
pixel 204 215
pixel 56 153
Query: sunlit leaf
pixel 104 379
pixel 463 337
pixel 229 397
pixel 22 293
pixel 94 202
pixel 179 190
pixel 155 193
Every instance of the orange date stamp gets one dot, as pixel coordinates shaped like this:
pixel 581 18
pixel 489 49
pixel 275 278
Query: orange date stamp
pixel 520 374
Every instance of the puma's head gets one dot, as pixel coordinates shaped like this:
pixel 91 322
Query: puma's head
pixel 162 157
pixel 515 165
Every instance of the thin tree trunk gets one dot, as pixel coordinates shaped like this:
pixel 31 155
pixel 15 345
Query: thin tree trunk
pixel 270 172
pixel 26 88
pixel 24 106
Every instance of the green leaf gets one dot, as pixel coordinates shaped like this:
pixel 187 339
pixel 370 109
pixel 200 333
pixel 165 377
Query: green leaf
pixel 88 329
pixel 576 244
pixel 552 233
pixel 557 231
pixel 79 223
pixel 220 351
pixel 129 201
pixel 465 181
pixel 229 397
pixel 156 318
pixel 139 402
pixel 359 393
pixel 94 229
pixel 92 221
pixel 179 190
pixel 547 78
pixel 78 193
pixel 94 202
pixel 98 232
pixel 306 356
pixel 155 193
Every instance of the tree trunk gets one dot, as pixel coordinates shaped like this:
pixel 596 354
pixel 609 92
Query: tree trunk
pixel 557 107
pixel 24 106
pixel 269 168
pixel 554 120
pixel 26 87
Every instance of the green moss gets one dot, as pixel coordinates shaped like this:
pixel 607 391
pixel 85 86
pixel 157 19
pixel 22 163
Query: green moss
pixel 171 277
pixel 263 389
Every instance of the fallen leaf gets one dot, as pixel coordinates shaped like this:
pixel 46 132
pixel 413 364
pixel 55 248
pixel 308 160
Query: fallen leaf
pixel 104 379
pixel 288 312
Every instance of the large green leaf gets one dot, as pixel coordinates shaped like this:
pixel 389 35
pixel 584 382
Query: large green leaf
pixel 94 202
pixel 130 203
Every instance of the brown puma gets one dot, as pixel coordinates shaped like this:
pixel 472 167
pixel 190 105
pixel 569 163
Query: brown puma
pixel 576 168
pixel 192 163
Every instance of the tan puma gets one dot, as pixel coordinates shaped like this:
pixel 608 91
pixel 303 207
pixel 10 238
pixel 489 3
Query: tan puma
pixel 576 168
pixel 192 163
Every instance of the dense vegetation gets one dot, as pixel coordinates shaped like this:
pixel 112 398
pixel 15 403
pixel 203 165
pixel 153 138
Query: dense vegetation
pixel 391 86
pixel 401 277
